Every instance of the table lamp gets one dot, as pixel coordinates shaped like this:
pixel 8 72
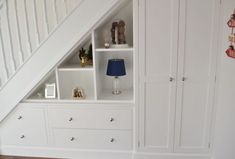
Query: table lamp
pixel 116 68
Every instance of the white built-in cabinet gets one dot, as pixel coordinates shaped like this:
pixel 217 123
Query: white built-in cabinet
pixel 100 120
pixel 177 45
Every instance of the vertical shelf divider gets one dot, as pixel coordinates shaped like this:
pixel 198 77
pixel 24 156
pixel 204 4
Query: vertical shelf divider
pixel 57 83
pixel 94 63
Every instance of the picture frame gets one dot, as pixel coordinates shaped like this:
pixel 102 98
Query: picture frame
pixel 50 90
pixel 78 93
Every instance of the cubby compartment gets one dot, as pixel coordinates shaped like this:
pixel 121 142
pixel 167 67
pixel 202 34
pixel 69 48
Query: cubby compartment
pixel 72 79
pixel 78 61
pixel 103 32
pixel 104 82
pixel 38 93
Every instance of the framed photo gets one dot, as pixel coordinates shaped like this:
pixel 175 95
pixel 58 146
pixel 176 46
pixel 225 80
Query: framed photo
pixel 50 91
pixel 78 93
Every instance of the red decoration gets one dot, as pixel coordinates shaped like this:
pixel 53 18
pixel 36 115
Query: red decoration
pixel 230 51
pixel 231 23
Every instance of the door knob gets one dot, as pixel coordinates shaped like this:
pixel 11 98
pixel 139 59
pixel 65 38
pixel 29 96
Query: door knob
pixel 171 79
pixel 184 78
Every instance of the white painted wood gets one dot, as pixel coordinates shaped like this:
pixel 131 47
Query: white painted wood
pixel 26 27
pixel 45 17
pixel 91 119
pixel 93 139
pixel 158 23
pixel 12 61
pixel 53 152
pixel 35 19
pixel 4 71
pixel 20 50
pixel 24 127
pixel 94 63
pixel 197 66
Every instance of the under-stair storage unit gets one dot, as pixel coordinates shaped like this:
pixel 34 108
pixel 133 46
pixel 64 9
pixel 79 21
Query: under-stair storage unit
pixel 78 110
pixel 177 78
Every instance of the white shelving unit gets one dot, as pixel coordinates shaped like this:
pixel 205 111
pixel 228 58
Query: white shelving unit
pixel 97 86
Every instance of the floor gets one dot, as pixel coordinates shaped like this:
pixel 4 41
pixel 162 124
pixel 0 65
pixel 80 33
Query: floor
pixel 15 157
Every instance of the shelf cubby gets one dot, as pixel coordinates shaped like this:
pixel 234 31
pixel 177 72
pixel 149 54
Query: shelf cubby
pixel 69 74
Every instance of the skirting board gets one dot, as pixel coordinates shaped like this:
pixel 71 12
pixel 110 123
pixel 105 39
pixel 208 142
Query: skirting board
pixel 140 155
pixel 64 153
pixel 95 154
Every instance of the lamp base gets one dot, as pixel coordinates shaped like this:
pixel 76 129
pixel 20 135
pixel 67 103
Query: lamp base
pixel 116 92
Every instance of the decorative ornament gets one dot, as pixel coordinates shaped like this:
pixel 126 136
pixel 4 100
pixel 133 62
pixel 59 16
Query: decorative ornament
pixel 231 24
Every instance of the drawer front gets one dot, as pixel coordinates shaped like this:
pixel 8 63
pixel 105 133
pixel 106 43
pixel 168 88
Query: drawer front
pixel 93 119
pixel 25 126
pixel 24 137
pixel 93 139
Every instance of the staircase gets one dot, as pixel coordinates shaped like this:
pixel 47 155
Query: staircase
pixel 35 35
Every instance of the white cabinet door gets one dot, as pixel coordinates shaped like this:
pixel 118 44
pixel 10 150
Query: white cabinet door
pixel 196 74
pixel 158 23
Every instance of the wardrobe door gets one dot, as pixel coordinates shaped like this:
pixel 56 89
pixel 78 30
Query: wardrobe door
pixel 196 74
pixel 158 21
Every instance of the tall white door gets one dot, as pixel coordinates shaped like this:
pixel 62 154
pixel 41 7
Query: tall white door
pixel 158 27
pixel 198 30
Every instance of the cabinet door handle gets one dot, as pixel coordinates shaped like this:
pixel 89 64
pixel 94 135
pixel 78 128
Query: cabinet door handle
pixel 171 79
pixel 70 119
pixel 19 117
pixel 72 139
pixel 111 119
pixel 184 78
pixel 112 140
pixel 22 136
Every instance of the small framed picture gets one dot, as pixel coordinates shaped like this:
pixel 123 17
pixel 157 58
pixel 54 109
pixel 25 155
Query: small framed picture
pixel 50 91
pixel 78 93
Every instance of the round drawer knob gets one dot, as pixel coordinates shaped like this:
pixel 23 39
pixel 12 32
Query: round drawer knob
pixel 112 140
pixel 111 119
pixel 19 117
pixel 72 139
pixel 22 136
pixel 71 119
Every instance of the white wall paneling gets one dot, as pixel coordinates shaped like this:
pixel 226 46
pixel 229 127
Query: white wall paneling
pixel 179 46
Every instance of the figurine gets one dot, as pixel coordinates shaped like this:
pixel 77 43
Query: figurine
pixel 121 31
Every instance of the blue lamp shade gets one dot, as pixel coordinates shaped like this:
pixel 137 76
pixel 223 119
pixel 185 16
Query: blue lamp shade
pixel 116 67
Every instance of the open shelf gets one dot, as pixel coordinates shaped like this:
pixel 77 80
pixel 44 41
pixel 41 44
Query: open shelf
pixel 91 78
pixel 129 49
pixel 75 67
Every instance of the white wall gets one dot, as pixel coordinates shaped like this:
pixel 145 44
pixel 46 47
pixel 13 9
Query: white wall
pixel 224 143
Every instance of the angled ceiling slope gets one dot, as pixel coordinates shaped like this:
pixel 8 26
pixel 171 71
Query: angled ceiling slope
pixel 69 33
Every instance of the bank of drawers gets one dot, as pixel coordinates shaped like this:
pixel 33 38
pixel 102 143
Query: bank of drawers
pixel 92 128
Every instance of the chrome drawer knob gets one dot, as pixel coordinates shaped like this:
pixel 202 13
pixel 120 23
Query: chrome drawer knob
pixel 171 79
pixel 70 119
pixel 112 140
pixel 19 117
pixel 22 136
pixel 72 139
pixel 184 78
pixel 111 119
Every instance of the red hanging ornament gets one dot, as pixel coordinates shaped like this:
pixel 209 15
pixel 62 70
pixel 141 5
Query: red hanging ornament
pixel 231 22
pixel 230 51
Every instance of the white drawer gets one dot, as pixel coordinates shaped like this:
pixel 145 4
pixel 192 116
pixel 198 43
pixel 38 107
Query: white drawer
pixel 89 118
pixel 93 139
pixel 25 126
